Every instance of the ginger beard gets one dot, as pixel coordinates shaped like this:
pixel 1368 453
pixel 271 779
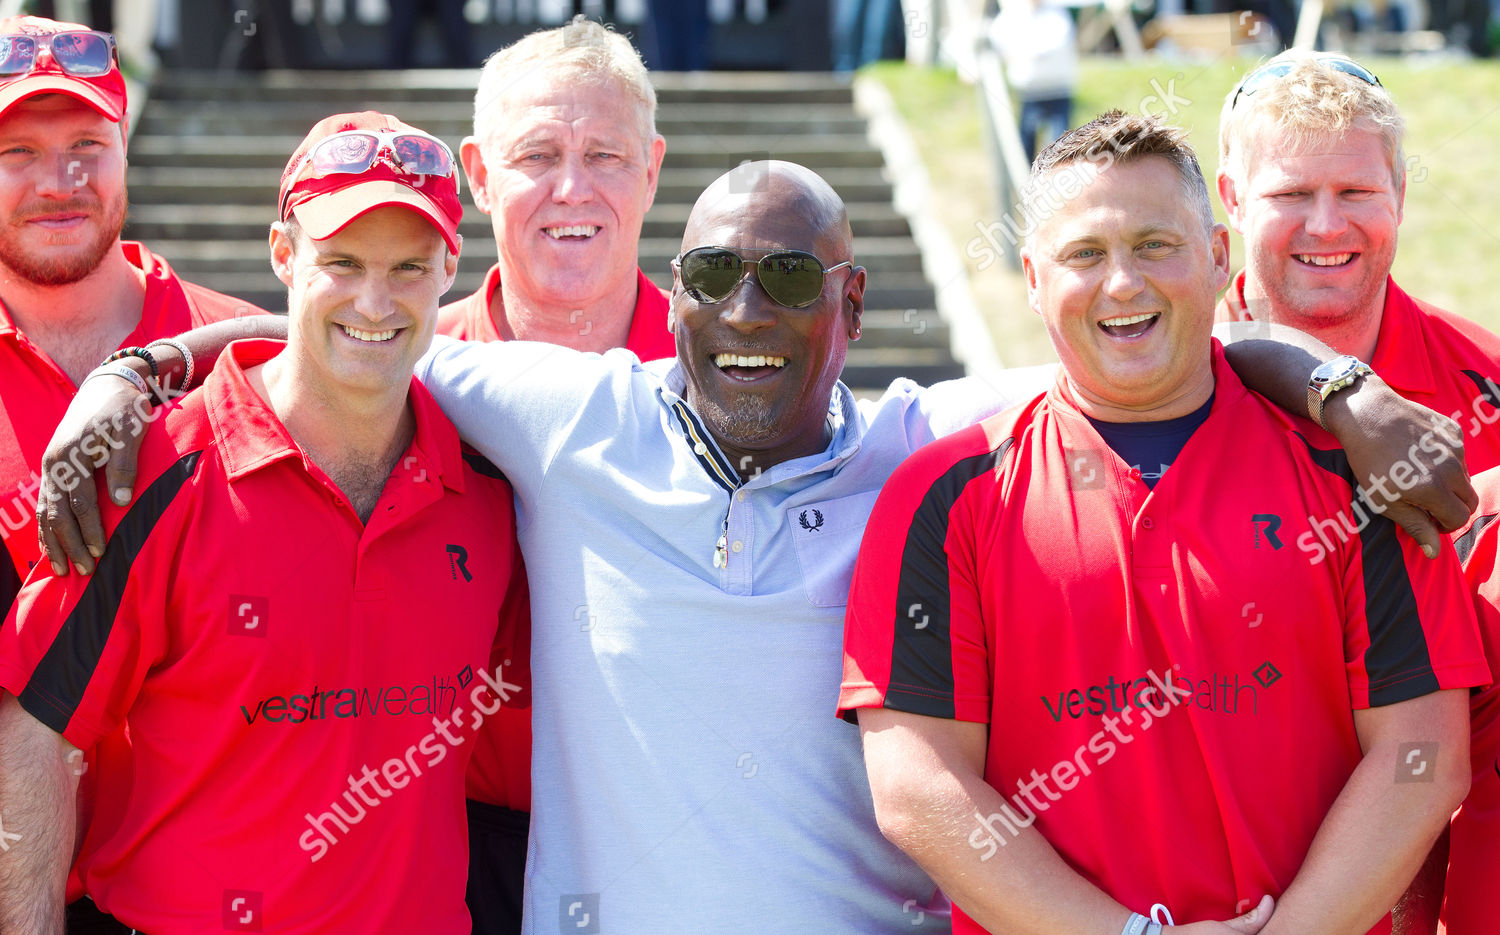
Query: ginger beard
pixel 55 264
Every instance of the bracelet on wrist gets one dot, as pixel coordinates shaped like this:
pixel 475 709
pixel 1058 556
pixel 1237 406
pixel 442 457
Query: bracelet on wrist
pixel 124 373
pixel 140 352
pixel 187 361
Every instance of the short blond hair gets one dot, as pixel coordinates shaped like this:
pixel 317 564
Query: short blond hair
pixel 581 51
pixel 1312 101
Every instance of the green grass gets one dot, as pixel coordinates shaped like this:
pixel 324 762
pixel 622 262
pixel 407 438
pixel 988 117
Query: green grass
pixel 1449 238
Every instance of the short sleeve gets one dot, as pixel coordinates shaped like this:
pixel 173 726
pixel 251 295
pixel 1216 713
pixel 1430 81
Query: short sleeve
pixel 1410 628
pixel 514 401
pixel 914 635
pixel 76 650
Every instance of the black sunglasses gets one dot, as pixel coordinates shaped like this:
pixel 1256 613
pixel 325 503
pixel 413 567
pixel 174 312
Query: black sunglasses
pixel 792 278
pixel 1265 74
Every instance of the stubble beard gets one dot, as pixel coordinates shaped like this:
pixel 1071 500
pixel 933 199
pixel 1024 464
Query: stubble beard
pixel 47 267
pixel 746 422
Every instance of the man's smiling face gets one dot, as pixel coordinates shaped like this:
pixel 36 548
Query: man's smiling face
pixel 1319 222
pixel 567 181
pixel 1124 276
pixel 760 374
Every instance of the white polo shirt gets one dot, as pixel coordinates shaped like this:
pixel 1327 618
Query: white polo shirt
pixel 688 772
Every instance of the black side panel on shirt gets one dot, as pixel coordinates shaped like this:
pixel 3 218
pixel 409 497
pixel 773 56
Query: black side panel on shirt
pixel 497 867
pixel 922 660
pixel 1486 388
pixel 1397 661
pixel 10 586
pixel 1464 544
pixel 483 466
pixel 57 686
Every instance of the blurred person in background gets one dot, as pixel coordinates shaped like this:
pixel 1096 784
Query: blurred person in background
pixel 404 31
pixel 866 31
pixel 680 33
pixel 1038 43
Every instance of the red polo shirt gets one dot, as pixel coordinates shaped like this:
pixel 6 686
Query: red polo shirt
pixel 301 688
pixel 1144 655
pixel 1471 903
pixel 1429 356
pixel 34 393
pixel 501 770
pixel 469 319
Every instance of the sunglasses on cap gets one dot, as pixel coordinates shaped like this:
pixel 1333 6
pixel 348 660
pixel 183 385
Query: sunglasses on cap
pixel 82 53
pixel 792 278
pixel 355 151
pixel 1265 74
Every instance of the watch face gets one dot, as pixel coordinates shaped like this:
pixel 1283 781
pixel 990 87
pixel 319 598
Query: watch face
pixel 1340 368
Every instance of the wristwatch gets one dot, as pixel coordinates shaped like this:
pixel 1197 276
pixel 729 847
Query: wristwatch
pixel 1329 378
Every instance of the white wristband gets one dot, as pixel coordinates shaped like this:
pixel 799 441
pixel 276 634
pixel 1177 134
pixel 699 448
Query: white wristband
pixel 124 373
pixel 1136 924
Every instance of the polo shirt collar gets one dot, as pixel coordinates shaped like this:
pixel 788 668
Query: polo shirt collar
pixel 843 419
pixel 478 324
pixel 250 436
pixel 647 320
pixel 165 310
pixel 1401 356
pixel 1229 389
pixel 1234 298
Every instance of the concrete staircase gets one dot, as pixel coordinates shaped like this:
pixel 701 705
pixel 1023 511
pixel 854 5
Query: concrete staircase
pixel 206 158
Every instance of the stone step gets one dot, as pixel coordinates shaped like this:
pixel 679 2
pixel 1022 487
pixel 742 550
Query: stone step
pixel 152 222
pixel 340 89
pixel 884 289
pixel 897 294
pixel 453 120
pixel 883 323
pixel 206 163
pixel 709 151
pixel 257 186
pixel 882 254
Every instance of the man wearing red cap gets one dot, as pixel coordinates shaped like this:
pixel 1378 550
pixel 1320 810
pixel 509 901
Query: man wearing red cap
pixel 70 290
pixel 281 707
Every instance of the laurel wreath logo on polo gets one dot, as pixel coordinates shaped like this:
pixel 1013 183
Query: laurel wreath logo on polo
pixel 816 523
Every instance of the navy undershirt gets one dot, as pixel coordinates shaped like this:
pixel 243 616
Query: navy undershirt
pixel 1151 447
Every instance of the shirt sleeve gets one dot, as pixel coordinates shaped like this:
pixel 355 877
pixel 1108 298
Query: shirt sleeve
pixel 514 401
pixel 76 650
pixel 956 404
pixel 914 636
pixel 1410 628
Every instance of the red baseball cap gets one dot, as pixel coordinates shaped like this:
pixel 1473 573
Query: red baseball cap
pixel 326 202
pixel 105 92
